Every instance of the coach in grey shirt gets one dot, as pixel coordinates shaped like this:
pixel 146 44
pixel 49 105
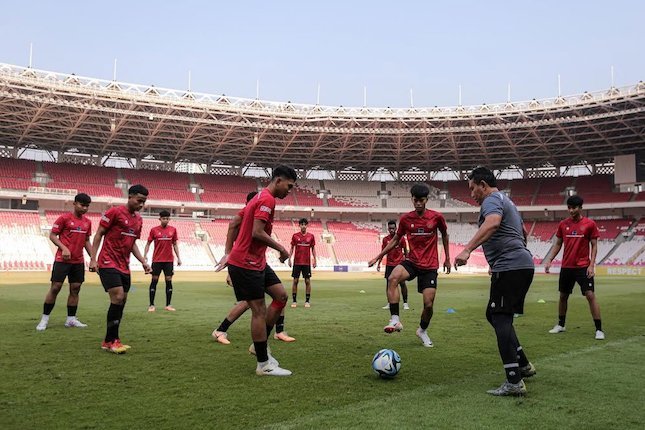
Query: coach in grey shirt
pixel 502 235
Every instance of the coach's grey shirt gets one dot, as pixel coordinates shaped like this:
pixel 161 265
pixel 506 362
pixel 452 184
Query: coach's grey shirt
pixel 505 250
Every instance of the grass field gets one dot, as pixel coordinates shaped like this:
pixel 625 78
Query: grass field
pixel 175 376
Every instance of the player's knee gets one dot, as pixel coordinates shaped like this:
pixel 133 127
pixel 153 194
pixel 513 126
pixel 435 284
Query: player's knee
pixel 279 303
pixel 155 278
pixel 56 287
pixel 168 278
pixel 74 289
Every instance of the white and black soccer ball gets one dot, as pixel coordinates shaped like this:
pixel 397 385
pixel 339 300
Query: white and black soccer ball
pixel 386 363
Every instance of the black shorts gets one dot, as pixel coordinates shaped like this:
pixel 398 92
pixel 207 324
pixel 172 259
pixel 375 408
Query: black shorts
pixel 167 268
pixel 111 278
pixel 388 271
pixel 425 278
pixel 569 277
pixel 251 284
pixel 508 290
pixel 301 268
pixel 74 272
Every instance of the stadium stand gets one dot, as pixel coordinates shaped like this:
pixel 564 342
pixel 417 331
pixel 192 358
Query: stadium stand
pixel 225 189
pixel 23 245
pixel 353 245
pixel 544 230
pixel 626 251
pixel 17 174
pixel 162 185
pixel 355 193
pixel 551 191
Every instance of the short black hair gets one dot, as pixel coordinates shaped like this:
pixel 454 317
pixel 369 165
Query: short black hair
pixel 419 191
pixel 575 201
pixel 391 222
pixel 138 189
pixel 83 199
pixel 286 172
pixel 250 195
pixel 481 173
pixel 164 214
pixel 304 221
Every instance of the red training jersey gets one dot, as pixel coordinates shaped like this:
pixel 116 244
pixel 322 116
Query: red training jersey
pixel 163 238
pixel 421 232
pixel 576 236
pixel 303 243
pixel 396 255
pixel 123 228
pixel 247 252
pixel 72 232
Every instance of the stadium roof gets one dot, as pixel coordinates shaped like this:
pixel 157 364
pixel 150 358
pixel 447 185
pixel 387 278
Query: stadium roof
pixel 61 112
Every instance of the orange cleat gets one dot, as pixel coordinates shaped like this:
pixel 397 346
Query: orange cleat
pixel 283 336
pixel 221 337
pixel 170 308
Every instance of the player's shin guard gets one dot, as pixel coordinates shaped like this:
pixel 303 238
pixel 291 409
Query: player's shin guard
pixel 279 325
pixel 507 345
pixel 153 291
pixel 114 315
pixel 168 292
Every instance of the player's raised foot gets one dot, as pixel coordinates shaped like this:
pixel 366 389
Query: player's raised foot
pixel 283 336
pixel 118 342
pixel 270 368
pixel 406 306
pixel 170 308
pixel 151 308
pixel 557 329
pixel 111 347
pixel 600 335
pixel 423 335
pixel 252 349
pixel 528 370
pixel 508 389
pixel 386 306
pixel 74 322
pixel 294 305
pixel 392 326
pixel 307 304
pixel 42 325
pixel 221 337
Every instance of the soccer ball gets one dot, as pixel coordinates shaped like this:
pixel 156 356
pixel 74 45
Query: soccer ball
pixel 386 363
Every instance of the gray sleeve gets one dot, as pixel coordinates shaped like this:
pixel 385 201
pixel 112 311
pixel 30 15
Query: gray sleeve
pixel 492 205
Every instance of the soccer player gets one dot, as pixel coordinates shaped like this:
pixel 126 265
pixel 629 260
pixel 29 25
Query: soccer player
pixel 165 238
pixel 304 245
pixel 220 334
pixel 394 258
pixel 577 233
pixel 502 234
pixel 249 272
pixel 420 226
pixel 71 234
pixel 121 227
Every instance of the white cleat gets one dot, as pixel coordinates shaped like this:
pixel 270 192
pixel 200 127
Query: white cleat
pixel 557 329
pixel 386 306
pixel 600 335
pixel 392 326
pixel 252 349
pixel 406 306
pixel 423 335
pixel 73 322
pixel 270 368
pixel 42 325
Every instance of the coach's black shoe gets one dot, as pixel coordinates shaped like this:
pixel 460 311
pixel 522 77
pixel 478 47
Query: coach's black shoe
pixel 508 389
pixel 528 370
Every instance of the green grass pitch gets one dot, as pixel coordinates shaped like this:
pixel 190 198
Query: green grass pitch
pixel 175 376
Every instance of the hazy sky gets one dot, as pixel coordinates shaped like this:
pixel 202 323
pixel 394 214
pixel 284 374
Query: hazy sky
pixel 292 46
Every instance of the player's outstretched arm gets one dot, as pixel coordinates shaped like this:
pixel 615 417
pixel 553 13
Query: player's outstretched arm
pixel 260 235
pixel 390 246
pixel 446 250
pixel 551 255
pixel 142 260
pixel 63 249
pixel 486 230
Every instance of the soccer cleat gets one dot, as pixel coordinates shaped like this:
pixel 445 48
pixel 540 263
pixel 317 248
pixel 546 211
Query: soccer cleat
pixel 252 349
pixel 423 335
pixel 270 368
pixel 170 308
pixel 406 306
pixel 307 305
pixel 151 308
pixel 528 370
pixel 42 325
pixel 113 347
pixel 386 306
pixel 294 305
pixel 221 337
pixel 392 326
pixel 283 336
pixel 74 322
pixel 118 342
pixel 557 329
pixel 508 389
pixel 600 335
